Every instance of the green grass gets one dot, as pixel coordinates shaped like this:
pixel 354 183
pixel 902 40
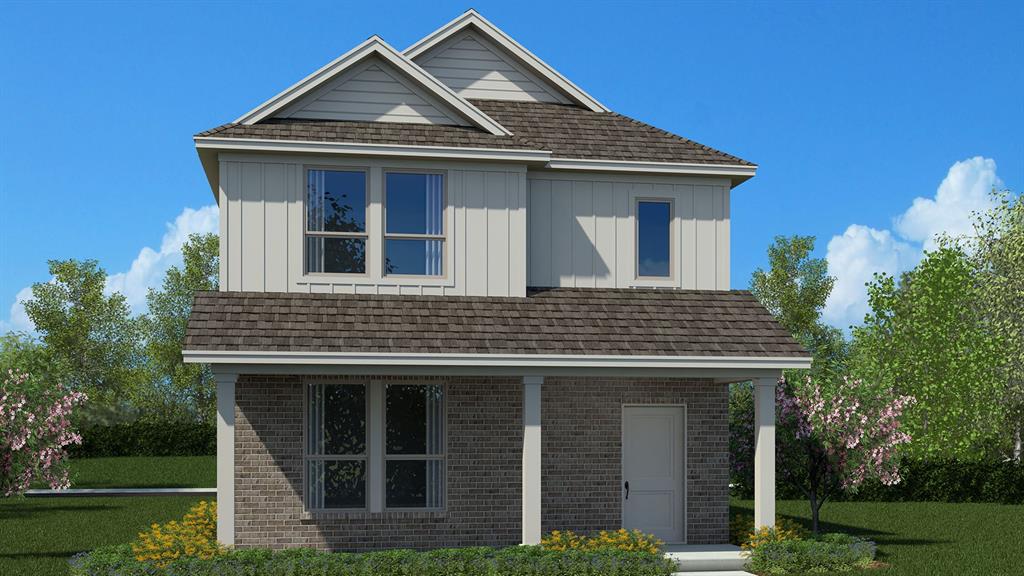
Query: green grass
pixel 145 472
pixel 38 535
pixel 925 538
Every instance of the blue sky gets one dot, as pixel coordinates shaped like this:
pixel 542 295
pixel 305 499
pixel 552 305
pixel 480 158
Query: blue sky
pixel 855 113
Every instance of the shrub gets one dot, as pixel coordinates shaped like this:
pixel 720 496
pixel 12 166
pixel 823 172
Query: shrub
pixel 512 561
pixel 829 554
pixel 35 431
pixel 621 539
pixel 742 533
pixel 194 537
pixel 148 437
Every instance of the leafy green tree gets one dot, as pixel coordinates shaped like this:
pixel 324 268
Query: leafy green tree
pixel 997 254
pixel 927 337
pixel 91 336
pixel 177 385
pixel 794 290
pixel 21 353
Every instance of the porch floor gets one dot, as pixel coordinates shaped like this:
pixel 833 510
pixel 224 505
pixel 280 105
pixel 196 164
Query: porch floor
pixel 706 559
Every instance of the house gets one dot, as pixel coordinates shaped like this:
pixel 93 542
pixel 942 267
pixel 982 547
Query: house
pixel 464 303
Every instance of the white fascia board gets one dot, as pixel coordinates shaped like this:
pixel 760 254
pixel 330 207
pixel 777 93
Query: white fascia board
pixel 473 18
pixel 495 360
pixel 652 167
pixel 374 46
pixel 357 149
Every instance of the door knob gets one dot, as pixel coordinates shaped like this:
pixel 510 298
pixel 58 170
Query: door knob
pixel 627 490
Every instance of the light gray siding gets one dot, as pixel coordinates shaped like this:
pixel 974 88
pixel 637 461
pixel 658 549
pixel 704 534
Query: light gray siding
pixel 262 227
pixel 374 91
pixel 474 67
pixel 581 230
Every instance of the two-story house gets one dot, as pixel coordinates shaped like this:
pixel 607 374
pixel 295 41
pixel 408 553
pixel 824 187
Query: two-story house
pixel 464 303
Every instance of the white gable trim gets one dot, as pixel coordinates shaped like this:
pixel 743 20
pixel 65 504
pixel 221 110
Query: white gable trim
pixel 214 143
pixel 652 167
pixel 493 33
pixel 374 45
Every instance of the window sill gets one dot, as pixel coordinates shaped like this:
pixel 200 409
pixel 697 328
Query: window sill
pixel 366 515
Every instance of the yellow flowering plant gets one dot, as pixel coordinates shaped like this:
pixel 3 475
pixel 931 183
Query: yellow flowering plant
pixel 741 531
pixel 195 536
pixel 621 539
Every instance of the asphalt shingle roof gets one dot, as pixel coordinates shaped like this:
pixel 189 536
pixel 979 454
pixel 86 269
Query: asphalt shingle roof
pixel 563 321
pixel 566 131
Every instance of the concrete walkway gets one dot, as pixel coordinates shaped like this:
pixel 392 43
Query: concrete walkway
pixel 72 492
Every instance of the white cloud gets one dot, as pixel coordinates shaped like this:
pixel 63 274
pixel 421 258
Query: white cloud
pixel 965 189
pixel 853 259
pixel 146 271
pixel 148 268
pixel 861 251
pixel 18 319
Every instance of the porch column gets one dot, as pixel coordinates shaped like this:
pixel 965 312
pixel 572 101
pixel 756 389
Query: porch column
pixel 764 451
pixel 226 457
pixel 531 459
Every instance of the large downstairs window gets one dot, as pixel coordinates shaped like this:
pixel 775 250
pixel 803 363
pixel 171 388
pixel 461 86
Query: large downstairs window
pixel 375 446
pixel 336 221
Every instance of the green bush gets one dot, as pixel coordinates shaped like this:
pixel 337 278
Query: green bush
pixel 513 561
pixel 944 480
pixel 829 554
pixel 148 437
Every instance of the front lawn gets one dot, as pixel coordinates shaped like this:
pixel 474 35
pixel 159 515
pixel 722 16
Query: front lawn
pixel 38 535
pixel 925 538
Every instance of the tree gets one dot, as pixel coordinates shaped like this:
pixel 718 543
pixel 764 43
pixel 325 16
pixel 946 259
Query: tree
pixel 91 336
pixel 926 337
pixel 829 437
pixel 177 384
pixel 997 254
pixel 794 291
pixel 35 430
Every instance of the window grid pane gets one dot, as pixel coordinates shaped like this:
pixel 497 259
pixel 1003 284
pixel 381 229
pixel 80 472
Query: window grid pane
pixel 336 447
pixel 414 224
pixel 414 446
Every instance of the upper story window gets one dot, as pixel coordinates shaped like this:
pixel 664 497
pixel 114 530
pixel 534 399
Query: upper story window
pixel 414 235
pixel 393 433
pixel 336 221
pixel 653 238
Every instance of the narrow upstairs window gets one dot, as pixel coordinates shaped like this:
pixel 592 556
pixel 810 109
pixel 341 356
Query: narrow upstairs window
pixel 653 239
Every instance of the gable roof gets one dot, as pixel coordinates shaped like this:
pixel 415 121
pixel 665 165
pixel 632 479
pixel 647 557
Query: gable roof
pixel 373 46
pixel 566 132
pixel 577 322
pixel 472 19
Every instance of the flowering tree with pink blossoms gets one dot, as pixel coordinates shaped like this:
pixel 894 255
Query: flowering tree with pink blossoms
pixel 35 429
pixel 829 439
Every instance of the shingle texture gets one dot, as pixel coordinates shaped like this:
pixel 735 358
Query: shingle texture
pixel 564 130
pixel 567 321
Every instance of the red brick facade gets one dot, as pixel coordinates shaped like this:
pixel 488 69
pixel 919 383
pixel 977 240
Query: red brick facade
pixel 581 464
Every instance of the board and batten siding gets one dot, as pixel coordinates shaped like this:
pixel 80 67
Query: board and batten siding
pixel 582 232
pixel 374 91
pixel 474 67
pixel 262 227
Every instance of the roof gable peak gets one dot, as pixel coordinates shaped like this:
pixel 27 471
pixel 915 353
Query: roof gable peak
pixel 474 20
pixel 374 46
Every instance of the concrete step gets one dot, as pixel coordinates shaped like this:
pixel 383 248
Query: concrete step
pixel 707 559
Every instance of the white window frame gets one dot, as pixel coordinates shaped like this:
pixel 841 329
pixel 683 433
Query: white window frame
pixel 385 235
pixel 376 456
pixel 307 233
pixel 671 238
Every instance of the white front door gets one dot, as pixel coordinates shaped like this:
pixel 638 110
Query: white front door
pixel 653 446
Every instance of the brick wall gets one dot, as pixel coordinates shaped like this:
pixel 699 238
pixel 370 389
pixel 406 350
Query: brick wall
pixel 581 421
pixel 581 477
pixel 484 498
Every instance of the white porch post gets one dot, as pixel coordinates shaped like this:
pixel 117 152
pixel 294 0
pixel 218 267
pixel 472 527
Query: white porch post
pixel 226 457
pixel 531 459
pixel 764 451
